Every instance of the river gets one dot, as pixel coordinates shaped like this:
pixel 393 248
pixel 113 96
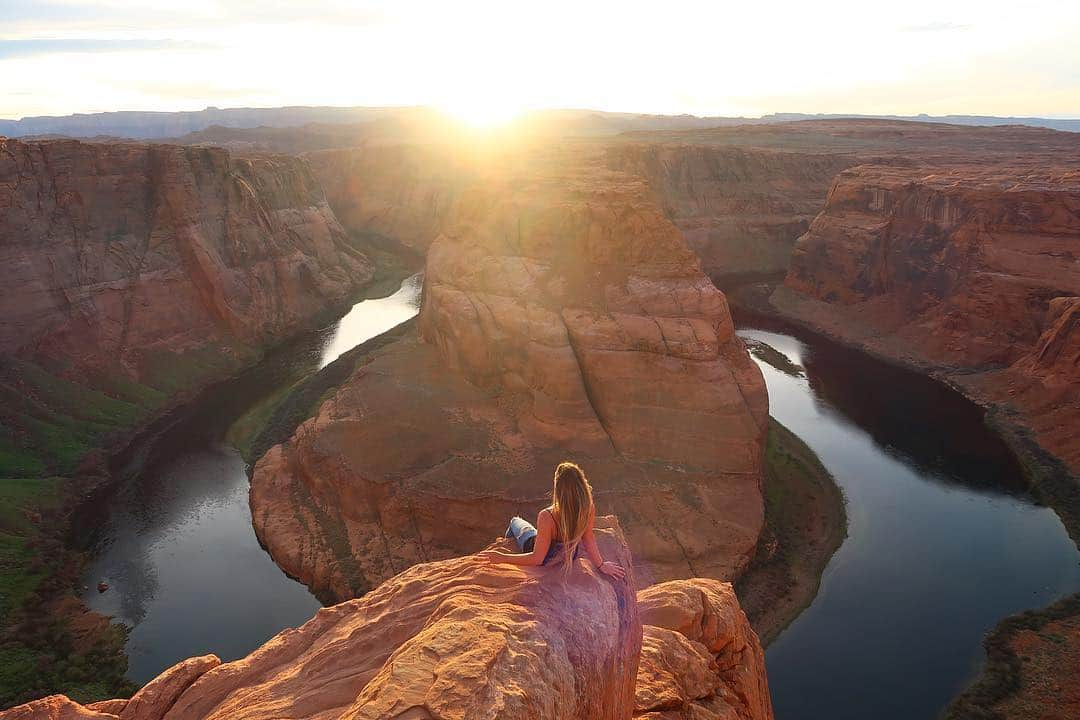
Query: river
pixel 175 544
pixel 943 541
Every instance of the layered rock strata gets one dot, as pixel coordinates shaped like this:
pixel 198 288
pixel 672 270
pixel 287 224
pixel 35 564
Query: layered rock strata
pixel 970 273
pixel 134 272
pixel 462 638
pixel 739 209
pixel 563 316
pixel 397 192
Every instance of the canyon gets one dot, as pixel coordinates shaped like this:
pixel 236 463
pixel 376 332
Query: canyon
pixel 462 638
pixel 570 310
pixel 563 316
pixel 134 274
pixel 950 249
pixel 970 273
pixel 740 209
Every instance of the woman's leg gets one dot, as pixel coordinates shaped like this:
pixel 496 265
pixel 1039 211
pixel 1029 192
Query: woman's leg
pixel 523 532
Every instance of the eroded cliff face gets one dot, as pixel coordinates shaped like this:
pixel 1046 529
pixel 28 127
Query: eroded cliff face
pixel 971 273
pixel 563 316
pixel 740 209
pixel 401 193
pixel 462 638
pixel 133 272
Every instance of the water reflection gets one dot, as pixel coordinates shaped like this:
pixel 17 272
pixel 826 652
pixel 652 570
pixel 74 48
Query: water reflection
pixel 176 545
pixel 372 318
pixel 908 415
pixel 942 544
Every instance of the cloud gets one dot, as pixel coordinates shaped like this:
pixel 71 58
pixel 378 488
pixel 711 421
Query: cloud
pixel 938 26
pixel 44 46
pixel 30 18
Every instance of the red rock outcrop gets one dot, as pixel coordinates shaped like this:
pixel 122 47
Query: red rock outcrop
pixel 740 209
pixel 55 707
pixel 563 316
pixel 142 270
pixel 462 638
pixel 969 272
pixel 700 659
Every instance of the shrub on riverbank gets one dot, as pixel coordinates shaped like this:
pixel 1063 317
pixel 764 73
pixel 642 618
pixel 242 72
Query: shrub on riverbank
pixel 49 643
pixel 805 523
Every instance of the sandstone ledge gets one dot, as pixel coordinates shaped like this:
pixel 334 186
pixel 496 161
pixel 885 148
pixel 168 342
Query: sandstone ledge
pixel 461 638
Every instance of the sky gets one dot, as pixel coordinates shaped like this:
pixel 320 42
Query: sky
pixel 486 59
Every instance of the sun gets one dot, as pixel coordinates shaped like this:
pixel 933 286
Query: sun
pixel 482 112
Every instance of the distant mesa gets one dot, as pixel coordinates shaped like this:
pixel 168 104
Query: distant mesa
pixel 151 125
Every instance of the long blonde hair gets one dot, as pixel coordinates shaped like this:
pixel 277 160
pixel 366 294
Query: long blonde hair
pixel 571 506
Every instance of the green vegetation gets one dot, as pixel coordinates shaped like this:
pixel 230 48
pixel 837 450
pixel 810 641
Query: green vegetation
pixel 24 503
pixel 274 420
pixel 48 643
pixel 48 425
pixel 245 430
pixel 174 373
pixel 15 459
pixel 1001 677
pixel 805 523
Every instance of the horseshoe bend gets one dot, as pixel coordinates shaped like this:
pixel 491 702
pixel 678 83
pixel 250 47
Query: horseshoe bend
pixel 821 376
pixel 563 316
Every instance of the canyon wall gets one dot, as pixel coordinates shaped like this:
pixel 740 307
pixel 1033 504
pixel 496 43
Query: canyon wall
pixel 132 273
pixel 739 209
pixel 402 193
pixel 464 638
pixel 563 317
pixel 969 272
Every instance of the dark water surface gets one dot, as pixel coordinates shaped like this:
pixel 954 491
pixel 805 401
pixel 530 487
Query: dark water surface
pixel 177 548
pixel 943 540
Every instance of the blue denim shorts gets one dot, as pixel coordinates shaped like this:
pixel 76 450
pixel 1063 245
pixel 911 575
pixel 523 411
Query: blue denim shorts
pixel 524 534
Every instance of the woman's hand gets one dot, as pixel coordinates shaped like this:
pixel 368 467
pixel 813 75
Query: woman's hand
pixel 612 569
pixel 490 557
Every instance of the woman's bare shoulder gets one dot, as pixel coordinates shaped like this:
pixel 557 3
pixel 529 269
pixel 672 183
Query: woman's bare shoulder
pixel 545 515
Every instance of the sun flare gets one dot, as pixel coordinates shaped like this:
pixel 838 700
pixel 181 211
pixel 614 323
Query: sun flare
pixel 482 113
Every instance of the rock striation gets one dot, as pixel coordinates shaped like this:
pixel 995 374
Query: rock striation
pixel 134 272
pixel 740 209
pixel 972 273
pixel 461 638
pixel 563 316
pixel 400 193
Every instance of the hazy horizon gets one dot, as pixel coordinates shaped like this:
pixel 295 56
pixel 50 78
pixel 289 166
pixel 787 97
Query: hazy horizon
pixel 488 60
pixel 853 114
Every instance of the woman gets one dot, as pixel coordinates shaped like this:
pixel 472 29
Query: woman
pixel 561 528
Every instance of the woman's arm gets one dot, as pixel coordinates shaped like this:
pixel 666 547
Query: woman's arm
pixel 588 540
pixel 545 530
